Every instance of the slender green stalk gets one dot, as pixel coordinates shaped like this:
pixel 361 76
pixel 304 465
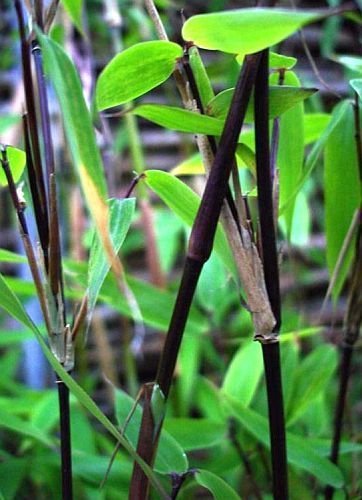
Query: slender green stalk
pixel 271 353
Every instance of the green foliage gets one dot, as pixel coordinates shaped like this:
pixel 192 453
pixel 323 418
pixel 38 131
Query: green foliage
pixel 261 28
pixel 135 71
pixel 17 160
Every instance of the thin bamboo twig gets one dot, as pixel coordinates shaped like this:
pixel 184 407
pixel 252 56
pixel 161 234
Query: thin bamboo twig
pixel 200 247
pixel 271 354
pixel 353 317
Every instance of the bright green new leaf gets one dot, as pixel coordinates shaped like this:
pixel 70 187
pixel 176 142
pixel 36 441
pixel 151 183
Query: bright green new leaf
pixel 13 423
pixel 314 125
pixel 185 203
pixel 17 161
pixel 300 453
pixel 74 10
pixel 291 150
pixel 281 99
pixel 170 456
pixel 356 84
pixel 179 119
pixel 244 372
pixel 276 61
pixel 196 433
pixel 244 31
pixel 342 190
pixel 120 213
pixel 311 380
pixel 217 486
pixel 201 77
pixel 189 360
pixel 135 71
pixel 8 256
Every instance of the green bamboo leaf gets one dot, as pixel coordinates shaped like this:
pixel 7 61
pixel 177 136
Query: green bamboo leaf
pixel 356 84
pixel 196 434
pixel 217 486
pixel 179 119
pixel 281 99
pixel 300 453
pixel 342 191
pixel 120 213
pixel 8 256
pixel 260 28
pixel 314 125
pixel 77 122
pixel 290 151
pixel 135 71
pixel 12 305
pixel 201 77
pixel 170 455
pixel 17 161
pixel 185 203
pixel 316 151
pixel 74 10
pixel 276 61
pixel 244 373
pixel 311 379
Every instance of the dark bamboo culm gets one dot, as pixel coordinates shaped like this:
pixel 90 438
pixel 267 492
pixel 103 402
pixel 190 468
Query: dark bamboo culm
pixel 41 175
pixel 353 317
pixel 199 251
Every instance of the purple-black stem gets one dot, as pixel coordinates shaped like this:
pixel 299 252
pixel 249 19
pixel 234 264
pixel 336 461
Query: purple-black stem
pixel 271 354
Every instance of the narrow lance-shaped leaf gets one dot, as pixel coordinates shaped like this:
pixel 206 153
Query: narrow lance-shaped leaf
pixel 135 71
pixel 218 487
pixel 121 212
pixel 356 84
pixel 10 302
pixel 74 9
pixel 342 190
pixel 260 28
pixel 276 61
pixel 290 151
pixel 185 203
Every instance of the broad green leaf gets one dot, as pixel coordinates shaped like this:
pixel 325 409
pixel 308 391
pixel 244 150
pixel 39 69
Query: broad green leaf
pixel 217 486
pixel 244 373
pixel 17 161
pixel 314 125
pixel 135 71
pixel 196 433
pixel 276 61
pixel 7 121
pixel 356 84
pixel 185 203
pixel 260 28
pixel 179 119
pixel 311 378
pixel 170 455
pixel 11 304
pixel 212 284
pixel 281 99
pixel 300 453
pixel 120 213
pixel 300 229
pixel 74 9
pixel 316 151
pixel 323 446
pixel 342 191
pixel 290 150
pixel 207 399
pixel 353 63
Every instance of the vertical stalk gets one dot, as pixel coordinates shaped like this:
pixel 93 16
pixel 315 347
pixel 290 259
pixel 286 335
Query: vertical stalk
pixel 353 317
pixel 66 449
pixel 200 247
pixel 271 353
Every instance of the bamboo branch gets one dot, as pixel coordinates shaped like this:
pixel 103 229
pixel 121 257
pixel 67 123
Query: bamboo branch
pixel 200 247
pixel 270 347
